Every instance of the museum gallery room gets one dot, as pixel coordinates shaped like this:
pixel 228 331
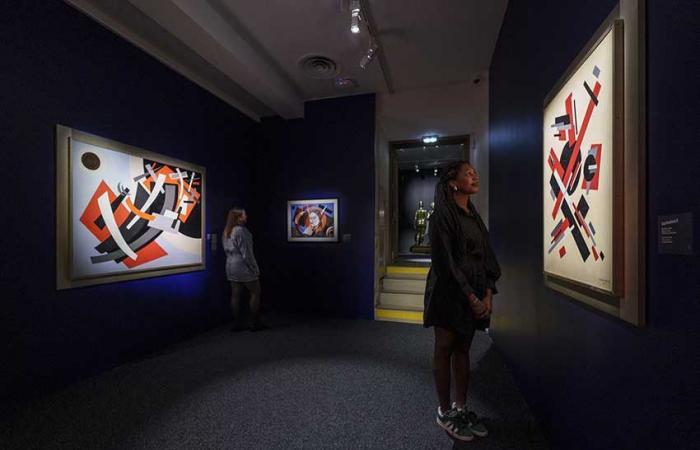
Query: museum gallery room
pixel 375 224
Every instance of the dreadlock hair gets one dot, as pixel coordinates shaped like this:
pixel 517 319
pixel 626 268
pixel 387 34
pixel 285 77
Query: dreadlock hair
pixel 445 207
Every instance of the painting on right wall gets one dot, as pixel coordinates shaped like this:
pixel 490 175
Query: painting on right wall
pixel 583 173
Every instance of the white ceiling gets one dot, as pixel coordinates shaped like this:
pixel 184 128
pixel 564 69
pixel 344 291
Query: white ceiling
pixel 246 51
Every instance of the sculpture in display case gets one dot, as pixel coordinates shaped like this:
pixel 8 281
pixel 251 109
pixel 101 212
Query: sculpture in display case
pixel 420 224
pixel 420 220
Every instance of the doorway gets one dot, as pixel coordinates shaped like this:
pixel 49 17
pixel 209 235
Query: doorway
pixel 415 168
pixel 402 246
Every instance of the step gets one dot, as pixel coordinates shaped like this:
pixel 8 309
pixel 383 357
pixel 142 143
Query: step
pixel 395 315
pixel 403 285
pixel 407 272
pixel 409 302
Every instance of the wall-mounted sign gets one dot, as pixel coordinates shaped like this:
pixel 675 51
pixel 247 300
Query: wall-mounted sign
pixel 676 234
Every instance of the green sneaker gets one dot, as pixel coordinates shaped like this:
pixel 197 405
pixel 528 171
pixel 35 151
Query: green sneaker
pixel 472 420
pixel 452 422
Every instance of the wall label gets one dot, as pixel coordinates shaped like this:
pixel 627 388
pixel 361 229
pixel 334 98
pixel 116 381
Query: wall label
pixel 676 234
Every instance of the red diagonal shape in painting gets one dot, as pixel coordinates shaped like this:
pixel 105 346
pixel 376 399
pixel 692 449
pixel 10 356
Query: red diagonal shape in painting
pixel 570 112
pixel 560 230
pixel 554 163
pixel 557 205
pixel 556 166
pixel 146 254
pixel 582 133
pixel 577 147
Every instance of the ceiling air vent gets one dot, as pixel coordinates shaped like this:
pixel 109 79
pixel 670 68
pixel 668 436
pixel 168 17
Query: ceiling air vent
pixel 319 67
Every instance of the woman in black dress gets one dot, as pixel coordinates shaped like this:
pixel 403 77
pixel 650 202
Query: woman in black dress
pixel 459 293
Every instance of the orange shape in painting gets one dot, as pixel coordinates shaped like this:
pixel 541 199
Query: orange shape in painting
pixel 92 212
pixel 148 253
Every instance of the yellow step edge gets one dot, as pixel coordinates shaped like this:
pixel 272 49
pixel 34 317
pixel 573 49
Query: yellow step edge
pixel 398 315
pixel 406 270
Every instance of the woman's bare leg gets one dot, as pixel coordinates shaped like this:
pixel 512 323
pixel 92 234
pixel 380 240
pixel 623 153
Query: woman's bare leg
pixel 444 346
pixel 461 367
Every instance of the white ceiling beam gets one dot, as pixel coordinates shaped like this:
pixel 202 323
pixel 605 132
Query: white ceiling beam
pixel 202 28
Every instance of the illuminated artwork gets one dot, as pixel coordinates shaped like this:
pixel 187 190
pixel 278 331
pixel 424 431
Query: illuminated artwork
pixel 129 211
pixel 579 174
pixel 312 220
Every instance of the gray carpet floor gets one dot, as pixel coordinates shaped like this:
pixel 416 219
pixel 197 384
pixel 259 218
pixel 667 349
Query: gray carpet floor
pixel 303 384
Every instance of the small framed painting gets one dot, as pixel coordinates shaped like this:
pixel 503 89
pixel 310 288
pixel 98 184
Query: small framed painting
pixel 312 220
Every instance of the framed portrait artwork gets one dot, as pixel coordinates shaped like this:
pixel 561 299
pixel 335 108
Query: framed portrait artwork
pixel 590 185
pixel 124 213
pixel 312 220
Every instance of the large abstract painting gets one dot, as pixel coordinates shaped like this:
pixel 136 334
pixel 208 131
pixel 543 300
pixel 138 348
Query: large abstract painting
pixel 581 184
pixel 127 213
pixel 312 220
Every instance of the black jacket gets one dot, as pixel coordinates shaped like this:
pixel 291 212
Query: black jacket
pixel 461 265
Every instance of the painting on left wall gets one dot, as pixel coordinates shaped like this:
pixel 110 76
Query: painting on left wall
pixel 124 213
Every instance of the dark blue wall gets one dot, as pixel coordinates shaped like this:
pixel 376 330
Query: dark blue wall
pixel 593 381
pixel 58 66
pixel 328 154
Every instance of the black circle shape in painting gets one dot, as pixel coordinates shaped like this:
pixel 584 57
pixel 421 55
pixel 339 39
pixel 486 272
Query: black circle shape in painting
pixel 90 160
pixel 588 174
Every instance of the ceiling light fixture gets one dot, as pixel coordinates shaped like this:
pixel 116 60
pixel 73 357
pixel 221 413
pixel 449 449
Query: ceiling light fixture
pixel 355 16
pixel 430 139
pixel 371 53
pixel 344 83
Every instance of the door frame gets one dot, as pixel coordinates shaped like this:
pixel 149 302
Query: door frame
pixel 394 182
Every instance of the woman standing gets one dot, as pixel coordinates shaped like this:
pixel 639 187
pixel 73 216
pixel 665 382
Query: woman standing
pixel 241 268
pixel 458 296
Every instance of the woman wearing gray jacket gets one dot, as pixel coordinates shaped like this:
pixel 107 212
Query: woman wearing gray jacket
pixel 241 268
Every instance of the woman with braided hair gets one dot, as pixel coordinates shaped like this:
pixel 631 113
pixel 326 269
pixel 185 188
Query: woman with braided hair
pixel 459 293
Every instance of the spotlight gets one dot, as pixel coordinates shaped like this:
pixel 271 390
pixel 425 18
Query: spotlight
pixel 435 172
pixel 417 169
pixel 344 83
pixel 355 17
pixel 369 56
pixel 430 139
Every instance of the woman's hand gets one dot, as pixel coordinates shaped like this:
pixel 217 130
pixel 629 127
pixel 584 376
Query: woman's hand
pixel 488 305
pixel 478 307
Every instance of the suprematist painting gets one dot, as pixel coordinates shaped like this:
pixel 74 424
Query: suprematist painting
pixel 127 212
pixel 579 178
